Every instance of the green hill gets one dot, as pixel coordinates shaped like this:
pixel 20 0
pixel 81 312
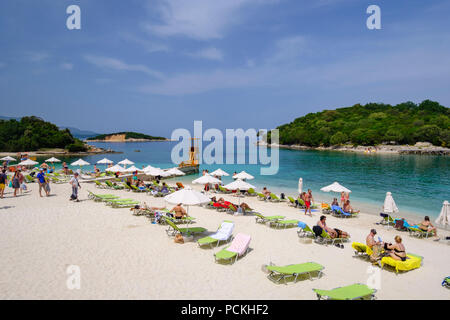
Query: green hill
pixel 128 135
pixel 33 133
pixel 371 124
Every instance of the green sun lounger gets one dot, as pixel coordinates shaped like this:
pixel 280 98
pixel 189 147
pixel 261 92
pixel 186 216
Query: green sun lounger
pixel 274 198
pixel 100 197
pixel 29 178
pixel 174 229
pixel 291 201
pixel 417 232
pixel 98 184
pixel 239 247
pixel 136 189
pixel 126 204
pixel 118 200
pixel 261 197
pixel 224 233
pixel 387 220
pixel 184 220
pixel 110 185
pixel 325 238
pixel 263 219
pixel 352 292
pixel 279 273
pixel 251 192
pixel 283 223
pixel 305 232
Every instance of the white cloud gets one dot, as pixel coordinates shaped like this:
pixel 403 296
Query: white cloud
pixel 37 56
pixel 66 66
pixel 198 19
pixel 208 53
pixel 148 45
pixel 288 49
pixel 116 64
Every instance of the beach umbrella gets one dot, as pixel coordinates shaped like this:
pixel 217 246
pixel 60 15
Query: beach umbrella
pixel 239 184
pixel 443 218
pixel 148 168
pixel 156 172
pixel 187 196
pixel 243 176
pixel 52 160
pixel 8 158
pixel 28 162
pixel 126 162
pixel 335 187
pixel 80 162
pixel 176 172
pixel 219 173
pixel 104 161
pixel 116 168
pixel 132 169
pixel 389 204
pixel 207 179
pixel 300 186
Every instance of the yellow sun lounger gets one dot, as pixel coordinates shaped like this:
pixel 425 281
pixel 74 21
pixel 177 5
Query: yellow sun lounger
pixel 412 262
pixel 361 249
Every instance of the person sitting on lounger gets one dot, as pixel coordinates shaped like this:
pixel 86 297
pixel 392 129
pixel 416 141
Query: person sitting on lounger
pixel 376 246
pixel 179 211
pixel 266 192
pixel 322 223
pixel 348 208
pixel 335 202
pixel 397 250
pixel 427 226
pixel 164 188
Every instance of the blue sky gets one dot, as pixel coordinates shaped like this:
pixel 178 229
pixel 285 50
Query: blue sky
pixel 156 65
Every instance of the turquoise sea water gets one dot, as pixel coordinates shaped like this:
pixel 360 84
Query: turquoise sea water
pixel 419 183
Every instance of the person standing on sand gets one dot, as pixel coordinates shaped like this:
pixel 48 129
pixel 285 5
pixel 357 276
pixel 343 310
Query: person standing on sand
pixel 75 185
pixel 3 180
pixel 308 199
pixel 42 182
pixel 21 181
pixel 16 183
pixel 342 199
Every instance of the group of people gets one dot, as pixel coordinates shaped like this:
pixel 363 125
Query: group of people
pixel 221 203
pixel 382 249
pixel 345 205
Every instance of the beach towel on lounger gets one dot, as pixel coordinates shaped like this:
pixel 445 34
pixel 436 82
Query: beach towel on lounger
pixel 224 232
pixel 240 244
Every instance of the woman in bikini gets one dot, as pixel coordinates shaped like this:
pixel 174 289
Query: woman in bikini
pixel 397 250
pixel 427 226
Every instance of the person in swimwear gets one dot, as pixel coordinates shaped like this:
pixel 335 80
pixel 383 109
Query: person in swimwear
pixel 427 226
pixel 397 250
pixel 308 199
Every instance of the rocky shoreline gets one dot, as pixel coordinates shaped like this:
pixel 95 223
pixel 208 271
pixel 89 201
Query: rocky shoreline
pixel 422 148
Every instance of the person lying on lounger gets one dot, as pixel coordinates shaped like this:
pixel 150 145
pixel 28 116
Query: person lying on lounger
pixel 427 226
pixel 348 208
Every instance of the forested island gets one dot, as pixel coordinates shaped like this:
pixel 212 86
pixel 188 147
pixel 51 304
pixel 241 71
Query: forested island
pixel 33 134
pixel 124 137
pixel 370 125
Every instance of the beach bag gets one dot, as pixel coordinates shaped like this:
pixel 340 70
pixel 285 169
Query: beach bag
pixel 47 187
pixel 317 231
pixel 179 238
pixel 24 186
pixel 10 184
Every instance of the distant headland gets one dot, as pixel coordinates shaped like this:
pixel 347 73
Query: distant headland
pixel 125 137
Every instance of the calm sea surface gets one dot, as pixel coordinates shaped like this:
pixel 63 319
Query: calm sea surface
pixel 419 184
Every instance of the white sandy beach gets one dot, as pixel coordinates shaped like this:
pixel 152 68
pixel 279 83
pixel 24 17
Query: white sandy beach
pixel 122 256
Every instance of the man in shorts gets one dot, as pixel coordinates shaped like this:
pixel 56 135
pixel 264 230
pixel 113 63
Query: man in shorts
pixel 42 182
pixel 3 179
pixel 308 199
